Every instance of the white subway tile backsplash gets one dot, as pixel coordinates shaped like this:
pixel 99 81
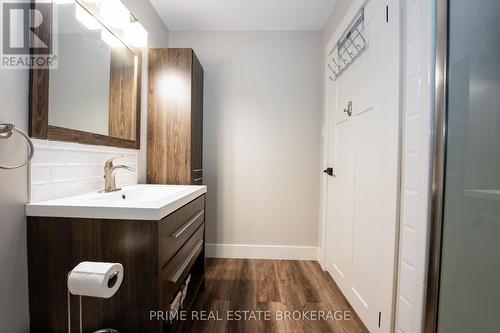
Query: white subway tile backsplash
pixel 405 315
pixel 76 157
pixel 63 173
pixel 410 180
pixel 418 113
pixel 413 57
pixel 62 169
pixel 407 286
pixel 122 180
pixel 47 156
pixel 412 135
pixel 408 245
pixel 40 174
pixel 58 190
pixel 41 143
pixel 412 102
pixel 413 19
pixel 95 158
pixel 410 208
pixel 129 160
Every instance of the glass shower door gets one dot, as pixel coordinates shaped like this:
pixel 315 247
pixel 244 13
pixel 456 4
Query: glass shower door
pixel 469 290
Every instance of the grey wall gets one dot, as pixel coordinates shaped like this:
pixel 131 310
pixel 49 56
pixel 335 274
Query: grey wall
pixel 261 134
pixel 13 194
pixel 14 316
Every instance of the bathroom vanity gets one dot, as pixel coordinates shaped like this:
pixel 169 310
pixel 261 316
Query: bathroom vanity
pixel 155 231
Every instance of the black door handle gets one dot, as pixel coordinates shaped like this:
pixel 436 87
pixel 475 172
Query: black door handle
pixel 328 171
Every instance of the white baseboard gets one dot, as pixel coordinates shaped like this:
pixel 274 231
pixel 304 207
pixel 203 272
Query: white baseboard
pixel 320 258
pixel 239 251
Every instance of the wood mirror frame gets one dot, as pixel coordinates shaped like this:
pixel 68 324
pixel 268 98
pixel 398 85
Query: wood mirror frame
pixel 39 127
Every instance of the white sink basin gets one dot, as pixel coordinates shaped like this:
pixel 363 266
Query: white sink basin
pixel 137 202
pixel 142 194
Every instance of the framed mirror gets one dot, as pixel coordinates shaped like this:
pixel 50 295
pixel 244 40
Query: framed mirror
pixel 92 94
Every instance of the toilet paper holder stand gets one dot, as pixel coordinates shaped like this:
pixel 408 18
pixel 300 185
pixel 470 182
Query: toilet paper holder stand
pixel 69 310
pixel 111 282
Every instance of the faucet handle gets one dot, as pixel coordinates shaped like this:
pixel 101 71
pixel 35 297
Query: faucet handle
pixel 109 162
pixel 126 167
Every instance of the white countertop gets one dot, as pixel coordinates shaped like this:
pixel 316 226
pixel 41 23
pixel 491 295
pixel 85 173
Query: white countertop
pixel 137 202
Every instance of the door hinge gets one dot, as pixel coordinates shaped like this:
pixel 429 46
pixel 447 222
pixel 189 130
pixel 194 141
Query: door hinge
pixel 379 319
pixel 387 13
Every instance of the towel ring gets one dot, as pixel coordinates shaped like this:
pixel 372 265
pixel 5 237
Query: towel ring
pixel 6 131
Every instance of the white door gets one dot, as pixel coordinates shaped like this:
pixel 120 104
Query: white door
pixel 363 194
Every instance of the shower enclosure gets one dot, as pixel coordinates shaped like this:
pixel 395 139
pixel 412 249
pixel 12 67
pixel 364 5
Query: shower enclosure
pixel 464 273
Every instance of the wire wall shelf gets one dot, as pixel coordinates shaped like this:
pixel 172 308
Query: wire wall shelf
pixel 349 48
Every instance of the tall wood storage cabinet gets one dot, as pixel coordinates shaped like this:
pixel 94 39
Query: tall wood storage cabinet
pixel 175 117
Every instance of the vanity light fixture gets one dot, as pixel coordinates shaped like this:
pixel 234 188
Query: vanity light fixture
pixel 136 35
pixel 85 18
pixel 63 2
pixel 115 14
pixel 117 22
pixel 111 39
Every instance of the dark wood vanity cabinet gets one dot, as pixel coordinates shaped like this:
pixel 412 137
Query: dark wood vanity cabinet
pixel 157 257
pixel 175 117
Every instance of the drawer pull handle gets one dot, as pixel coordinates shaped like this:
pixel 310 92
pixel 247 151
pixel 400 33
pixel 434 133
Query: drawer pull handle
pixel 181 269
pixel 186 225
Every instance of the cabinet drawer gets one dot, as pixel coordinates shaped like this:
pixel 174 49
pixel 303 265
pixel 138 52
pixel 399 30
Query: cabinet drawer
pixel 175 272
pixel 175 229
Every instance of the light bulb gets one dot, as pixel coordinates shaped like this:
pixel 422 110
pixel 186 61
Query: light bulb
pixel 115 14
pixel 86 19
pixel 136 35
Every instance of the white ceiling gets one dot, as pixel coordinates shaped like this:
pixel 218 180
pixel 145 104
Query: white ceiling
pixel 247 15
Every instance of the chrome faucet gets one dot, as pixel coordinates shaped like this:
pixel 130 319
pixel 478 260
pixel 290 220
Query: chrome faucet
pixel 110 173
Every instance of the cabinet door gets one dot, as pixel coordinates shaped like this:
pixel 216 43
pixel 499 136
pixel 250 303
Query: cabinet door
pixel 197 122
pixel 169 116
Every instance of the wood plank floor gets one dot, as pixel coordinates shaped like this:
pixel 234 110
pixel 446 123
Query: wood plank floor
pixel 271 288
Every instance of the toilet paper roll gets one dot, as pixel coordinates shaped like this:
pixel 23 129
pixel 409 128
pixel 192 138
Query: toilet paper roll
pixel 95 279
